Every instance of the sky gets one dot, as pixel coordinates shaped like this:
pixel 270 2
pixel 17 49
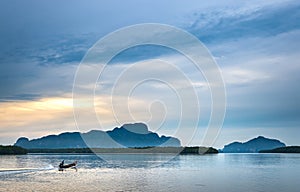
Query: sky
pixel 255 44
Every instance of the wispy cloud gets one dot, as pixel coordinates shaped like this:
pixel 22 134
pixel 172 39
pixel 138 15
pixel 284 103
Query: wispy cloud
pixel 259 20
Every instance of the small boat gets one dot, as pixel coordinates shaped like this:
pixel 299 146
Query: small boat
pixel 62 166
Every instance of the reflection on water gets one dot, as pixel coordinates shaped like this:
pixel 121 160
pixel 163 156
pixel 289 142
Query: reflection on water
pixel 135 172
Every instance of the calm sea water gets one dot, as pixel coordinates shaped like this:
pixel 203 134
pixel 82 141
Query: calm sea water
pixel 149 172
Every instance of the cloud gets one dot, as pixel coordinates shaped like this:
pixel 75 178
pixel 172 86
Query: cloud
pixel 30 81
pixel 237 76
pixel 246 21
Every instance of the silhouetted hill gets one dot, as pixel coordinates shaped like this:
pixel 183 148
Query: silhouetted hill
pixel 129 135
pixel 289 149
pixel 253 146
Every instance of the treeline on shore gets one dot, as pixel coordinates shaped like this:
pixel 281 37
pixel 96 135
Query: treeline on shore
pixel 15 150
pixel 12 150
pixel 177 150
pixel 289 149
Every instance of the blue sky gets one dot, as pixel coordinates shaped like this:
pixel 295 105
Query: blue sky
pixel 256 45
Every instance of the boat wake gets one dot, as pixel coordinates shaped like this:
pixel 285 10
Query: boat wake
pixel 6 171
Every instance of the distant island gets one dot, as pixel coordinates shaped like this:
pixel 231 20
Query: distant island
pixel 253 146
pixel 127 136
pixel 12 150
pixel 288 149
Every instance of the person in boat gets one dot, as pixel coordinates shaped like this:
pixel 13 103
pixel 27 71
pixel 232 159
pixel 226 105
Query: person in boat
pixel 62 166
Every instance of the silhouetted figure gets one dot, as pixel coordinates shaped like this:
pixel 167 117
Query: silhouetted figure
pixel 62 166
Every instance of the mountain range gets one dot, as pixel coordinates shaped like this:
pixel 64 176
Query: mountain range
pixel 134 135
pixel 252 146
pixel 128 135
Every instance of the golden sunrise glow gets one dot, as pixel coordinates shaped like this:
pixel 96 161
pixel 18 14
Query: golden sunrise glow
pixel 20 113
pixel 54 111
